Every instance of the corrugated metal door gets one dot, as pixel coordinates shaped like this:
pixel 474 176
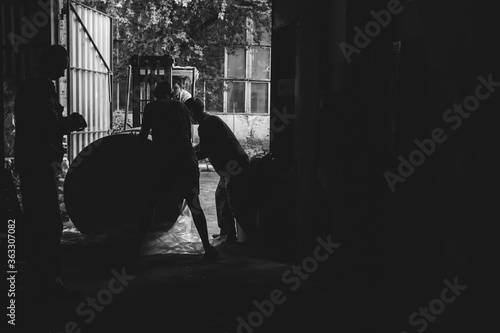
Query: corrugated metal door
pixel 89 78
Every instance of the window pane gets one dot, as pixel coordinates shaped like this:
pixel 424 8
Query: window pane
pixel 261 32
pixel 239 34
pixel 261 63
pixel 259 97
pixel 236 64
pixel 236 97
pixel 265 38
pixel 214 96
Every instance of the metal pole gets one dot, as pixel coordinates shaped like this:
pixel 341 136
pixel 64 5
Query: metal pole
pixel 234 112
pixel 205 94
pixel 129 80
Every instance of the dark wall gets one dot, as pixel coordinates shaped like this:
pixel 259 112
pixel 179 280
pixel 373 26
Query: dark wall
pixel 23 37
pixel 357 118
pixel 25 29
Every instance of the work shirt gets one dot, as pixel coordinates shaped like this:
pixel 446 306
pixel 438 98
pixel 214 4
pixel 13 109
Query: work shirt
pixel 183 96
pixel 171 133
pixel 219 144
pixel 40 125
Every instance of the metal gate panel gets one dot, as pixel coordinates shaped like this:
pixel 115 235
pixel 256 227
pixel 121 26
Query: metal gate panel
pixel 91 57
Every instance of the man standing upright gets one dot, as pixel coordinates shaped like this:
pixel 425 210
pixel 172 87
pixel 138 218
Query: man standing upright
pixel 175 174
pixel 38 153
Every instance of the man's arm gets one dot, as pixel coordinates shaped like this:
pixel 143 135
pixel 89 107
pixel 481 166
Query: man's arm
pixel 53 120
pixel 35 109
pixel 187 120
pixel 145 222
pixel 202 149
pixel 73 122
pixel 145 126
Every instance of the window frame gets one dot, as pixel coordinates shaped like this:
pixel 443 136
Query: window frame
pixel 247 80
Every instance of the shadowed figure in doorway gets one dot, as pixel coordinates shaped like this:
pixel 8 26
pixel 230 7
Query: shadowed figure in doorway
pixel 174 170
pixel 38 152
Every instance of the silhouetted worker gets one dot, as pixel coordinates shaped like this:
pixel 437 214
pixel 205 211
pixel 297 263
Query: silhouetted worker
pixel 38 152
pixel 175 172
pixel 233 196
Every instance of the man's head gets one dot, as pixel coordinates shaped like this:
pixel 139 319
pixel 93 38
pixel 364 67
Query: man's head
pixel 177 86
pixel 196 107
pixel 53 61
pixel 163 90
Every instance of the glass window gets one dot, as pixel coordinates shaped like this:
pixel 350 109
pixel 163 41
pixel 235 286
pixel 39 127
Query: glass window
pixel 236 61
pixel 236 97
pixel 239 38
pixel 261 63
pixel 259 97
pixel 261 34
pixel 239 32
pixel 214 96
pixel 265 37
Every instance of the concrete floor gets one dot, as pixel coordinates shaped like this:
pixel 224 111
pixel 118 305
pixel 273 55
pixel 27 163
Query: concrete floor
pixel 208 184
pixel 169 293
pixel 243 290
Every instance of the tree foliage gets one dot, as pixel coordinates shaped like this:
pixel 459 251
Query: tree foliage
pixel 192 32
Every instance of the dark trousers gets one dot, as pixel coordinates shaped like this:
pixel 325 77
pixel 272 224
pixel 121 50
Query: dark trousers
pixel 225 218
pixel 235 203
pixel 43 221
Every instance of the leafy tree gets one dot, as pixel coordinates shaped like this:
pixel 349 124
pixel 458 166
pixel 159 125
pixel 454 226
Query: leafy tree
pixel 192 32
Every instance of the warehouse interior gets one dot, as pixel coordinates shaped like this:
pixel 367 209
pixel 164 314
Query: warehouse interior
pixel 372 153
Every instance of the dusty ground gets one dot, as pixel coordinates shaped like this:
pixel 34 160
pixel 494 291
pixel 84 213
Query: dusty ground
pixel 171 292
pixel 183 293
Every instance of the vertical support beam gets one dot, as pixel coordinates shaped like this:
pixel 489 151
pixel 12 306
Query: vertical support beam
pixel 307 102
pixel 62 33
pixel 135 93
pixel 282 120
pixel 331 117
pixel 65 40
pixel 111 74
pixel 283 89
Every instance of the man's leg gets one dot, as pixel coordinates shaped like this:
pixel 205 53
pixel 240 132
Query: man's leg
pixel 200 222
pixel 241 205
pixel 199 218
pixel 43 223
pixel 189 188
pixel 146 220
pixel 225 219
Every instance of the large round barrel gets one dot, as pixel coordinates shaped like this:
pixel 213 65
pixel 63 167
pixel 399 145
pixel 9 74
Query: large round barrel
pixel 106 185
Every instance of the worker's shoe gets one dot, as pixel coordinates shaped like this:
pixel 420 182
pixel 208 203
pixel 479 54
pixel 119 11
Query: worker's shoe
pixel 210 253
pixel 60 291
pixel 54 291
pixel 256 242
pixel 225 238
pixel 231 239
